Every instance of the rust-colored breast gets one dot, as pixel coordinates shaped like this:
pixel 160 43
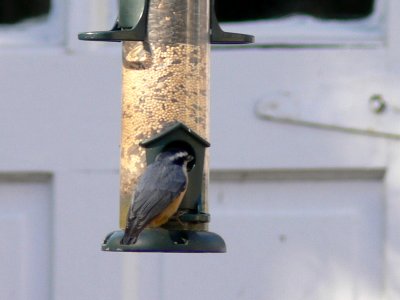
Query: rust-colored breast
pixel 168 212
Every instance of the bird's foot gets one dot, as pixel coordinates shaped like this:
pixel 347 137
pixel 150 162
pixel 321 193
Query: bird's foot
pixel 178 216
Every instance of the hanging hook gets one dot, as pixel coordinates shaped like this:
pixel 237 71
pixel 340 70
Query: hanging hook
pixel 131 25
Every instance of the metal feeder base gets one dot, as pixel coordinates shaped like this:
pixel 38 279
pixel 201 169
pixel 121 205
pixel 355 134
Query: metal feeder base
pixel 163 240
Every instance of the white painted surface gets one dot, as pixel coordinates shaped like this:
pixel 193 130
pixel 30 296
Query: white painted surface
pixel 287 240
pixel 86 210
pixel 25 231
pixel 60 113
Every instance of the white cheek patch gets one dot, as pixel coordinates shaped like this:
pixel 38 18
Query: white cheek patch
pixel 179 155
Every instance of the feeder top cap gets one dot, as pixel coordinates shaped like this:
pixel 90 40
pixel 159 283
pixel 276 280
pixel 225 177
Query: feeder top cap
pixel 175 128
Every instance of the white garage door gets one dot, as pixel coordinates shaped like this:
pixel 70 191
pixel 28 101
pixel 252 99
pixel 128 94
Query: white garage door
pixel 25 237
pixel 311 236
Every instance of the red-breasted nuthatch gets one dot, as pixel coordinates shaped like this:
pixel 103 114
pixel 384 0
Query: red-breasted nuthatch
pixel 158 194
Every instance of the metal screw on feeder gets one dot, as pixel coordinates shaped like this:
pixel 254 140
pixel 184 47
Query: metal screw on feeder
pixel 166 50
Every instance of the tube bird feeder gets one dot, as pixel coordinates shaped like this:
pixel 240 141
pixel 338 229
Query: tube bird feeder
pixel 165 104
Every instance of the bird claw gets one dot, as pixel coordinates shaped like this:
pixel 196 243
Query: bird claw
pixel 178 216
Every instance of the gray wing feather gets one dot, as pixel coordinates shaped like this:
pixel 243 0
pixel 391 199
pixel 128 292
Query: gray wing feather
pixel 156 189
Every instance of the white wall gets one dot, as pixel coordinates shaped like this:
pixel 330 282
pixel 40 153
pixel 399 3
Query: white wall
pixel 60 116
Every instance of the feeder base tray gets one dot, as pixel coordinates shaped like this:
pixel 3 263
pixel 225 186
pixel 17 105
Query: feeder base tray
pixel 164 240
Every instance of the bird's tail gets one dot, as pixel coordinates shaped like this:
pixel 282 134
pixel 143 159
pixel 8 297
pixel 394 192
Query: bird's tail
pixel 128 239
pixel 131 233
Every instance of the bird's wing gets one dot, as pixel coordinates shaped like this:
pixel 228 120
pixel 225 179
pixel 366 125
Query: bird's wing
pixel 152 196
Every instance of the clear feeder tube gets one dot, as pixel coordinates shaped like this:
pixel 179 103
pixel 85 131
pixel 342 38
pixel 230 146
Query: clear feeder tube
pixel 165 79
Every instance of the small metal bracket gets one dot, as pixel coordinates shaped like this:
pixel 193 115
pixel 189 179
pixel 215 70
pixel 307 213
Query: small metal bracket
pixel 218 36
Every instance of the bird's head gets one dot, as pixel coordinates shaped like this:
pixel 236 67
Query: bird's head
pixel 175 156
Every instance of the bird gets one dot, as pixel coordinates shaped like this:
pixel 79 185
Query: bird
pixel 158 194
